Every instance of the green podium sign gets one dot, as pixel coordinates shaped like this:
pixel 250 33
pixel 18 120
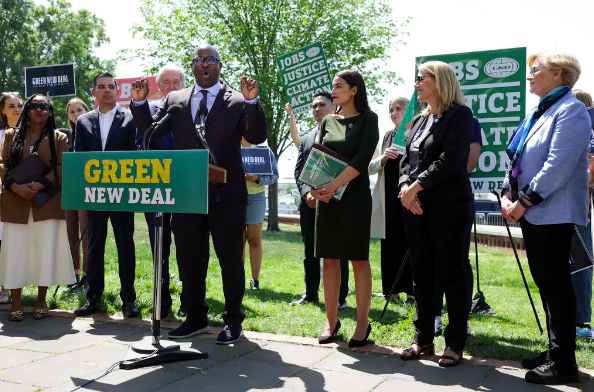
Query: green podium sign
pixel 139 181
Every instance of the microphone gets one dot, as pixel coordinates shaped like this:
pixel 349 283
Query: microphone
pixel 171 111
pixel 200 133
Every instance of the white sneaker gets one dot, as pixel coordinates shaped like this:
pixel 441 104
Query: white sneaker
pixel 438 326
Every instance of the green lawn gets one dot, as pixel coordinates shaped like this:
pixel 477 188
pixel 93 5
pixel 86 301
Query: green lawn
pixel 511 334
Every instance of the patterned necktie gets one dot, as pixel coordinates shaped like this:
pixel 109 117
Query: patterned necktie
pixel 203 108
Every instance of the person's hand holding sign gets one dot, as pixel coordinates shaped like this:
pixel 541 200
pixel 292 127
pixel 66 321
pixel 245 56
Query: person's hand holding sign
pixel 140 90
pixel 249 88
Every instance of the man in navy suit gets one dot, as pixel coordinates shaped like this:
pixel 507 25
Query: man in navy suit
pixel 169 78
pixel 108 128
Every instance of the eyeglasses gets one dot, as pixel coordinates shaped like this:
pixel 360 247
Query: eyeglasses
pixel 44 106
pixel 533 70
pixel 419 79
pixel 208 60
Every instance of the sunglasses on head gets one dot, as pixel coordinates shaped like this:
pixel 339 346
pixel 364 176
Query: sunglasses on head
pixel 44 106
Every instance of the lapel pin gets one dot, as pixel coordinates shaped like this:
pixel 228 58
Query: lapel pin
pixel 118 116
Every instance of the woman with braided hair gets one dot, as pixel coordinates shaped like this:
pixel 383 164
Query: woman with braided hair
pixel 35 244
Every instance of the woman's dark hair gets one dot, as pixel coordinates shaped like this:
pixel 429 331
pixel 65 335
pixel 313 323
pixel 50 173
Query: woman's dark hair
pixel 22 127
pixel 354 78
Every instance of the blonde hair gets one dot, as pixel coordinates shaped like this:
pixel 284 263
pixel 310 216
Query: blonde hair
pixel 554 61
pixel 583 96
pixel 402 101
pixel 448 87
pixel 72 102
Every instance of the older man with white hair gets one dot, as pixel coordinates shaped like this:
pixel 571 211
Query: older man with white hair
pixel 169 78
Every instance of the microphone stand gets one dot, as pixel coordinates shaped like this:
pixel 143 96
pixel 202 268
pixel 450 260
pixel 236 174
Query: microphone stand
pixel 157 351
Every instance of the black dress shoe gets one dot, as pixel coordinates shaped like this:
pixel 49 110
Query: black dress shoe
pixel 81 285
pixel 550 374
pixel 360 343
pixel 304 300
pixel 92 306
pixel 531 363
pixel 342 305
pixel 129 309
pixel 325 339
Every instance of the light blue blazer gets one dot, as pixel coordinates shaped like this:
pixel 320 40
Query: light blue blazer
pixel 554 165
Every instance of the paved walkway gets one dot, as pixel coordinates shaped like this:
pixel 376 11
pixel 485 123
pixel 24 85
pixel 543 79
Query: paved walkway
pixel 61 353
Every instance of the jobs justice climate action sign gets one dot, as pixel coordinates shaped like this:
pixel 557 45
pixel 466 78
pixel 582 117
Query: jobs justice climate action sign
pixel 155 181
pixel 304 73
pixel 57 80
pixel 494 85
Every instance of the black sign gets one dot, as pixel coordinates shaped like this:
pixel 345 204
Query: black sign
pixel 57 80
pixel 256 160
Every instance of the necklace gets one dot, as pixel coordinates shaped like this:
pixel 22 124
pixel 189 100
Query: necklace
pixel 31 143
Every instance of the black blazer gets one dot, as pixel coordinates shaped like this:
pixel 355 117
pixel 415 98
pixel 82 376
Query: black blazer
pixel 443 156
pixel 121 136
pixel 229 119
pixel 305 146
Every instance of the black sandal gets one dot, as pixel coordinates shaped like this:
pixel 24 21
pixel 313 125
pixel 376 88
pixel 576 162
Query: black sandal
pixel 455 361
pixel 428 350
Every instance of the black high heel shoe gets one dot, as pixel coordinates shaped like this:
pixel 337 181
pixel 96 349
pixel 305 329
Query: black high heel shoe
pixel 325 339
pixel 360 343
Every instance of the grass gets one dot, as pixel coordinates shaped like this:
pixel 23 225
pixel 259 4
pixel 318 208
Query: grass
pixel 510 334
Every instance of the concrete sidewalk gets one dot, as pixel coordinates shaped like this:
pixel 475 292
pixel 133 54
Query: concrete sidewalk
pixel 61 353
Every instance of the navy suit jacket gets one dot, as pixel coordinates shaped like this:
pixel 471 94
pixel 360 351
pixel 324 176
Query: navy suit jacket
pixel 165 142
pixel 121 136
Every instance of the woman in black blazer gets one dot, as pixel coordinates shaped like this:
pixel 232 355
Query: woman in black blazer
pixel 435 194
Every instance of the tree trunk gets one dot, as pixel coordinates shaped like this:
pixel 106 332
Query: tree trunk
pixel 273 207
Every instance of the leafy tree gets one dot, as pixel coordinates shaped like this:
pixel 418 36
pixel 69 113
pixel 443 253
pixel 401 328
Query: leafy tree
pixel 33 35
pixel 289 188
pixel 251 34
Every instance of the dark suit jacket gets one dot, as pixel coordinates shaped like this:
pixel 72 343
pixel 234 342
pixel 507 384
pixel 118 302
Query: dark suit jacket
pixel 443 156
pixel 121 135
pixel 68 133
pixel 307 142
pixel 229 119
pixel 157 143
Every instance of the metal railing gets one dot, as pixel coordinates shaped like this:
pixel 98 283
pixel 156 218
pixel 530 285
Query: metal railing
pixel 496 219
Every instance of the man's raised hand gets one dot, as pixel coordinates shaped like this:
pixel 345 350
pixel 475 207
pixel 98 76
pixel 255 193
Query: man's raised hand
pixel 140 90
pixel 249 88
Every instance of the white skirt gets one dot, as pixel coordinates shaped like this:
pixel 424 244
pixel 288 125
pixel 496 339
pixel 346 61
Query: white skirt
pixel 35 254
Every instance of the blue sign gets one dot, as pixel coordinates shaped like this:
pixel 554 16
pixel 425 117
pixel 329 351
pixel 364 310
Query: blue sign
pixel 591 113
pixel 256 160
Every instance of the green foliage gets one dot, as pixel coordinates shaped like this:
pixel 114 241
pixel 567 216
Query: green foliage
pixel 289 188
pixel 34 35
pixel 251 34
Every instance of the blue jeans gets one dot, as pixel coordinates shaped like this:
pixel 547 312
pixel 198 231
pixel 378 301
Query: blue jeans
pixel 582 282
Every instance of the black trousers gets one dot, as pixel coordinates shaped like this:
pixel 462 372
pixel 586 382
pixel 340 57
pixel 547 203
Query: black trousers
pixel 225 222
pixel 393 250
pixel 547 248
pixel 150 222
pixel 311 264
pixel 436 243
pixel 122 224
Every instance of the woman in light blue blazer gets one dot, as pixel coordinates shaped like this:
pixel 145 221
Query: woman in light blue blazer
pixel 546 190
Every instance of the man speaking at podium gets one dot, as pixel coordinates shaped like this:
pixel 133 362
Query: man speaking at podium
pixel 228 116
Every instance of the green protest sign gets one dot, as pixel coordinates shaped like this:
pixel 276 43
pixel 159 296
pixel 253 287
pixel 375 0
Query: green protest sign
pixel 154 181
pixel 494 85
pixel 400 138
pixel 304 73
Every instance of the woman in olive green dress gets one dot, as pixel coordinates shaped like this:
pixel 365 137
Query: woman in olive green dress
pixel 343 227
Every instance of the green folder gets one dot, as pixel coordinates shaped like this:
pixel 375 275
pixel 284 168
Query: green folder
pixel 321 167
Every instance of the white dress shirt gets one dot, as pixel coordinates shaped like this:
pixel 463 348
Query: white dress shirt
pixel 105 121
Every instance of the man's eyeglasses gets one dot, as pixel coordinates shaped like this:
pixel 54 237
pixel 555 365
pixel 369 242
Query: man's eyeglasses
pixel 208 60
pixel 44 106
pixel 419 79
pixel 533 70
